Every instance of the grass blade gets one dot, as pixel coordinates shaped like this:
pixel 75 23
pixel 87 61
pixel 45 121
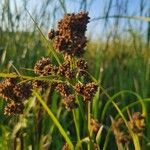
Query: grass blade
pixel 54 119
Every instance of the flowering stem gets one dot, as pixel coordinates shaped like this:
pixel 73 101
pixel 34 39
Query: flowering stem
pixel 54 119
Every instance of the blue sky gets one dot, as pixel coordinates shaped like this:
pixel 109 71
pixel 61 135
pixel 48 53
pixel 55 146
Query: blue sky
pixel 96 9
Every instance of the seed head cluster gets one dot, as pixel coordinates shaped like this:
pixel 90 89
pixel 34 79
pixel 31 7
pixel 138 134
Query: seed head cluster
pixel 44 67
pixel 69 38
pixel 6 88
pixel 121 135
pixel 81 64
pixel 14 93
pixel 66 147
pixel 66 93
pixel 69 102
pixel 137 123
pixel 23 91
pixel 66 71
pixel 86 90
pixel 13 108
pixel 95 125
pixel 38 84
pixel 63 89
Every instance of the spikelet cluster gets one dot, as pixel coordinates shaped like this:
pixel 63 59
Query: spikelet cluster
pixel 120 135
pixel 13 108
pixel 66 147
pixel 14 93
pixel 44 67
pixel 137 123
pixel 69 37
pixel 94 125
pixel 66 93
pixel 86 90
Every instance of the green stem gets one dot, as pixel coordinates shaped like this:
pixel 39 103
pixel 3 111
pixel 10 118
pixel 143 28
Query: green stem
pixel 46 78
pixel 80 107
pixel 54 119
pixel 76 125
pixel 88 119
pixel 50 48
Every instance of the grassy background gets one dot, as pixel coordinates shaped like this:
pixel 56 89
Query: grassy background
pixel 120 61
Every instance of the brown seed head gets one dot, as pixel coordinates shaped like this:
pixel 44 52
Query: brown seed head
pixel 41 64
pixel 138 122
pixel 40 84
pixel 123 138
pixel 51 34
pixel 66 71
pixel 70 37
pixel 121 135
pixel 63 89
pixel 82 64
pixel 86 90
pixel 13 108
pixel 89 91
pixel 95 125
pixel 23 91
pixel 6 88
pixel 69 102
pixel 79 88
pixel 66 147
pixel 63 68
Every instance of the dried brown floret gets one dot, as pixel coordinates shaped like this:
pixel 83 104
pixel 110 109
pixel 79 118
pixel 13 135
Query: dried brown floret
pixel 70 38
pixel 66 147
pixel 86 90
pixel 69 102
pixel 13 108
pixel 47 70
pixel 137 123
pixel 120 134
pixel 82 64
pixel 96 147
pixel 70 74
pixel 44 67
pixel 123 138
pixel 9 81
pixel 63 68
pixel 6 88
pixel 23 91
pixel 55 69
pixel 66 71
pixel 41 64
pixel 89 91
pixel 51 34
pixel 117 123
pixel 63 89
pixel 40 84
pixel 79 88
pixel 95 125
